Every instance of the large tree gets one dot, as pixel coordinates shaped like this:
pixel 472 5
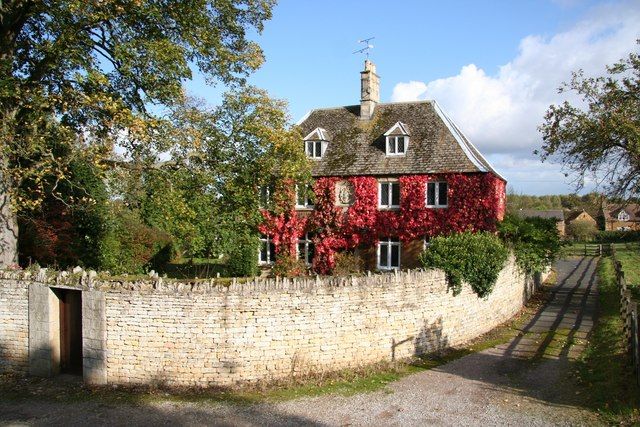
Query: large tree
pixel 91 73
pixel 600 137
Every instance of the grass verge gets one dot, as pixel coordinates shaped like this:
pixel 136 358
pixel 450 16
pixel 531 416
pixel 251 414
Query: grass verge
pixel 346 382
pixel 604 368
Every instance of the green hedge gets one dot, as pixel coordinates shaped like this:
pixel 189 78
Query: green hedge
pixel 534 241
pixel 476 258
pixel 617 236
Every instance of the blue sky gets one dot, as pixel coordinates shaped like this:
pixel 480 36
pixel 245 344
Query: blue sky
pixel 494 66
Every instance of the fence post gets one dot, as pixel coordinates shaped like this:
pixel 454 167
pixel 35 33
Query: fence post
pixel 634 340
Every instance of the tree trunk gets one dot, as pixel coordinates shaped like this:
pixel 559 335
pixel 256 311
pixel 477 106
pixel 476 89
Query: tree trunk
pixel 8 226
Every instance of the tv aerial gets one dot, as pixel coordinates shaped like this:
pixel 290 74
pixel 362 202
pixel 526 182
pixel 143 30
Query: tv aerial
pixel 367 46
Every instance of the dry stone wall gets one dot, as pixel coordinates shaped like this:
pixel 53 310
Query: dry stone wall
pixel 14 326
pixel 206 334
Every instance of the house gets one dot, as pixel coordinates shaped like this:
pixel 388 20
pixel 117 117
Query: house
pixel 387 178
pixel 555 214
pixel 621 216
pixel 580 216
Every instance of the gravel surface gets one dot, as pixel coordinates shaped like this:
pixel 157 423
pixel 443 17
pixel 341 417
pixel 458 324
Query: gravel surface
pixel 525 382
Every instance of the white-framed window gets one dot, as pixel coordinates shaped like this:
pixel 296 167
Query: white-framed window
pixel 267 254
pixel 397 145
pixel 306 248
pixel 437 195
pixel 388 194
pixel 304 196
pixel 266 191
pixel 623 216
pixel 314 149
pixel 389 253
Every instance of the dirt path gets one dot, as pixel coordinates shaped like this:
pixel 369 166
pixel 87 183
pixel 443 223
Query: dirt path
pixel 525 382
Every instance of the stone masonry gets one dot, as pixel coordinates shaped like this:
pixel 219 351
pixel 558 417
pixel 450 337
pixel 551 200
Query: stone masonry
pixel 205 334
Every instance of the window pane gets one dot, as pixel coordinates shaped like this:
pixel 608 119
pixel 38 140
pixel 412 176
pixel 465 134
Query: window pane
pixel 310 252
pixel 318 149
pixel 272 252
pixel 263 251
pixel 391 145
pixel 395 256
pixel 401 144
pixel 442 193
pixel 309 148
pixel 384 255
pixel 300 195
pixel 384 194
pixel 431 193
pixel 301 252
pixel 395 194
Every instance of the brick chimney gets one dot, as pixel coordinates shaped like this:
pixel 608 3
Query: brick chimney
pixel 369 90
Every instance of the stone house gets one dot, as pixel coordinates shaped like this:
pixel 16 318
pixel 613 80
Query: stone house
pixel 620 217
pixel 580 215
pixel 387 178
pixel 555 214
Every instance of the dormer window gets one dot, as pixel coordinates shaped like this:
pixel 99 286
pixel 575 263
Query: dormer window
pixel 623 216
pixel 315 144
pixel 397 140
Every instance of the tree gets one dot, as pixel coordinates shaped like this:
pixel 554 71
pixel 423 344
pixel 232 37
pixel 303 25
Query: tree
pixel 582 231
pixel 207 196
pixel 602 137
pixel 83 73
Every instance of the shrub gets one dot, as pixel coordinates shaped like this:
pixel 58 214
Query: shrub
pixel 243 257
pixel 582 231
pixel 287 265
pixel 534 241
pixel 476 258
pixel 347 263
pixel 618 236
pixel 132 247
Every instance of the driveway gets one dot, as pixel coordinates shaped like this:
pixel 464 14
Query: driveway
pixel 525 382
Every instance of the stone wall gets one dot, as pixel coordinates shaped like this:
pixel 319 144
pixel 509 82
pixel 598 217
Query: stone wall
pixel 14 326
pixel 205 334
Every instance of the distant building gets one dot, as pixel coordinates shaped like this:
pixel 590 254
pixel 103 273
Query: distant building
pixel 580 215
pixel 556 214
pixel 620 217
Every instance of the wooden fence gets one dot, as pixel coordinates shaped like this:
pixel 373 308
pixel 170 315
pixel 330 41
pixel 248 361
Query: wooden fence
pixel 629 314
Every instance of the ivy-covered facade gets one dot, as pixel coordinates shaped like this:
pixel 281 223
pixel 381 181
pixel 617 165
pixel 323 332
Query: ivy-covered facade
pixel 387 178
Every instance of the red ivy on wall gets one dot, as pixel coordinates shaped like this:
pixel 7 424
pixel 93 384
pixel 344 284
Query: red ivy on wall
pixel 475 202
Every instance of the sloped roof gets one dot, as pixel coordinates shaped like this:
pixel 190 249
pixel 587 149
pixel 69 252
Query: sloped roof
pixel 633 209
pixel 576 213
pixel 357 147
pixel 556 214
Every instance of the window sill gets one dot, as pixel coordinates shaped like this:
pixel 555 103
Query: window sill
pixel 395 155
pixel 304 208
pixel 437 207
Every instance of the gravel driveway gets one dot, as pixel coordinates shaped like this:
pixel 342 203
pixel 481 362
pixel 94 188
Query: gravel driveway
pixel 525 382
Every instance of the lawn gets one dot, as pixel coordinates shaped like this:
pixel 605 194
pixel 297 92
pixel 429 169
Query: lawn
pixel 629 255
pixel 604 369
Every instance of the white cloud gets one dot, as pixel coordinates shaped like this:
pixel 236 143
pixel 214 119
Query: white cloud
pixel 500 113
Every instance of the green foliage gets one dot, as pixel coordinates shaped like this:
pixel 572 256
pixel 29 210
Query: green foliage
pixel 618 236
pixel 600 136
pixel 581 231
pixel 589 202
pixel 476 258
pixel 132 247
pixel 84 75
pixel 243 257
pixel 348 263
pixel 534 241
pixel 68 226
